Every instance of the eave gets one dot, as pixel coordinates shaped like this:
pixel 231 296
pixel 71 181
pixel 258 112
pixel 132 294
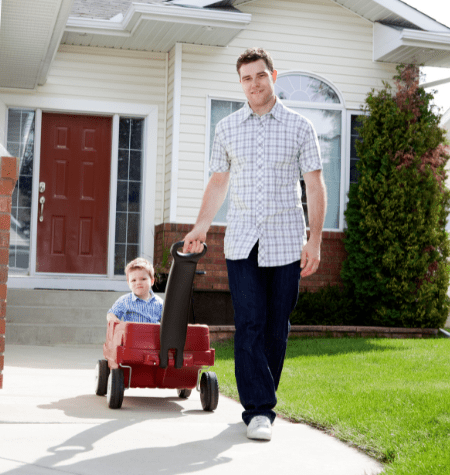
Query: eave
pixel 401 45
pixel 157 27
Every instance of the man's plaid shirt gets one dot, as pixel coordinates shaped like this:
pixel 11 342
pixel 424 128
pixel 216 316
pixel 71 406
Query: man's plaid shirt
pixel 265 156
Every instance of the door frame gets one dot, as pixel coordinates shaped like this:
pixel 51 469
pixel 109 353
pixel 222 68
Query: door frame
pixel 91 107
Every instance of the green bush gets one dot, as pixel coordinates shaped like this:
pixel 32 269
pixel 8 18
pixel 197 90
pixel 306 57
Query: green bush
pixel 330 305
pixel 396 272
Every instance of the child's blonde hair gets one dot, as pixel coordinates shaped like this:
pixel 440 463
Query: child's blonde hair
pixel 140 263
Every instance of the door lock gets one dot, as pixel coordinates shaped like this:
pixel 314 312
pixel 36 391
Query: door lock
pixel 42 201
pixel 41 187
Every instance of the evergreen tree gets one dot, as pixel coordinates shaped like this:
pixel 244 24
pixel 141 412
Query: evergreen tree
pixel 396 270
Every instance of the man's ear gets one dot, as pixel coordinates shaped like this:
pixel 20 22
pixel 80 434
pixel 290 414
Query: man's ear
pixel 274 76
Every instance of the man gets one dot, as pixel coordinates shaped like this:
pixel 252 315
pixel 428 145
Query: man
pixel 260 151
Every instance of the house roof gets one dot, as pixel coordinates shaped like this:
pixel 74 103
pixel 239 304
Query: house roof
pixel 30 35
pixel 103 9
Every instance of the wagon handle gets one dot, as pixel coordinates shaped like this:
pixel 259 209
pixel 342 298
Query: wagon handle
pixel 190 256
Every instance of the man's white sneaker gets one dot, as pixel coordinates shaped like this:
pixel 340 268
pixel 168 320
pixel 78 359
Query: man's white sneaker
pixel 259 428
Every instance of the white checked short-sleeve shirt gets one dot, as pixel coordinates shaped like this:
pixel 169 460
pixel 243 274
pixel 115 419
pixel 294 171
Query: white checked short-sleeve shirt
pixel 265 156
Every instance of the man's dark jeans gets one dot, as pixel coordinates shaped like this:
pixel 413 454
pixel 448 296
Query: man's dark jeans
pixel 263 298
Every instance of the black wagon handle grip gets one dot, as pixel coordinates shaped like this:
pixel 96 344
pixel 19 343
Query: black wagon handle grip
pixel 176 255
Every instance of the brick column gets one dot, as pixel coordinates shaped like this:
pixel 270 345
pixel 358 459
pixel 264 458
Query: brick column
pixel 9 173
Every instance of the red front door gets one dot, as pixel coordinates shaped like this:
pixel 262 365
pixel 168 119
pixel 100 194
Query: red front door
pixel 72 234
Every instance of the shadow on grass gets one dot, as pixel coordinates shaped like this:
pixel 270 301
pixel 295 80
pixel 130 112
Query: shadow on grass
pixel 335 346
pixel 312 346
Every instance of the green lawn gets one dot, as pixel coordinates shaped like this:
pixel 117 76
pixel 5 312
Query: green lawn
pixel 391 398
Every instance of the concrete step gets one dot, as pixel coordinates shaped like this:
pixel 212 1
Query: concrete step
pixel 57 317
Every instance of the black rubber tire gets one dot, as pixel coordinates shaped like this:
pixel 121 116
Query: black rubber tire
pixel 209 391
pixel 115 389
pixel 101 377
pixel 184 393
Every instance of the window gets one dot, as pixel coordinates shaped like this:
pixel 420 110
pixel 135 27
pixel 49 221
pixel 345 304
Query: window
pixel 20 143
pixel 320 103
pixel 129 186
pixel 354 136
pixel 219 110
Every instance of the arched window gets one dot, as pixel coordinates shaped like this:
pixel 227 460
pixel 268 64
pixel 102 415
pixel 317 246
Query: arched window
pixel 321 103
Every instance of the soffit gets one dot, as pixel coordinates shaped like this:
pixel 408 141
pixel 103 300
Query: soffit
pixel 30 33
pixel 401 45
pixel 393 12
pixel 157 27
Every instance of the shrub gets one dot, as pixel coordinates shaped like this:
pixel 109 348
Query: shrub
pixel 330 305
pixel 396 270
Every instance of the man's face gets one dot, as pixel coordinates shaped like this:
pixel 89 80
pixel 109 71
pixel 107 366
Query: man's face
pixel 258 83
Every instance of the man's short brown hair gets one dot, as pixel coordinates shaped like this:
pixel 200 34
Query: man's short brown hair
pixel 140 263
pixel 253 54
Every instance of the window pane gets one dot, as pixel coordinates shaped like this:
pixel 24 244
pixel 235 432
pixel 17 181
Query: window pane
pixel 123 164
pixel 129 184
pixel 299 87
pixel 20 143
pixel 328 127
pixel 220 110
pixel 355 122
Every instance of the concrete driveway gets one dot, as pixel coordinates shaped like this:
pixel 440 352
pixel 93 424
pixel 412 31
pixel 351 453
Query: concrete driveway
pixel 51 423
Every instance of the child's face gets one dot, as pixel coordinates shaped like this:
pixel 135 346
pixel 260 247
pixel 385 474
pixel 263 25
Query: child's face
pixel 140 283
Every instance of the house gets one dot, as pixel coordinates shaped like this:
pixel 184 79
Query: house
pixel 112 104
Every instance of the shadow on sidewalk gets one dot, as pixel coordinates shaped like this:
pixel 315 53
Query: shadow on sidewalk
pixel 178 459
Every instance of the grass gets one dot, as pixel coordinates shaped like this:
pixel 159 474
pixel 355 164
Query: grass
pixel 390 398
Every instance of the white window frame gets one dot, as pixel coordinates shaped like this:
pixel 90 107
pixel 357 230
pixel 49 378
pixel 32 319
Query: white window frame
pixel 92 107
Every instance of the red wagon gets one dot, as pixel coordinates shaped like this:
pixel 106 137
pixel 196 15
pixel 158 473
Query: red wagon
pixel 167 355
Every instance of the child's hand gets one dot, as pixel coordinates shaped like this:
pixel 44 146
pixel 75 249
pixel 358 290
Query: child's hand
pixel 112 318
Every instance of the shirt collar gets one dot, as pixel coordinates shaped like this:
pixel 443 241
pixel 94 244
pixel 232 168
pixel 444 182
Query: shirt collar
pixel 276 112
pixel 134 297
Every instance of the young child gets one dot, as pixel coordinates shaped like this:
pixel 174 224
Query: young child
pixel 141 305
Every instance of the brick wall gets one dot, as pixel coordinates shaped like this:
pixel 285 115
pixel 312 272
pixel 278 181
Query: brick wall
pixel 332 256
pixel 9 170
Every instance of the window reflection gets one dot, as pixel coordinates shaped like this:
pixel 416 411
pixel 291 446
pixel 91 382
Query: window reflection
pixel 20 143
pixel 328 127
pixel 129 184
pixel 298 87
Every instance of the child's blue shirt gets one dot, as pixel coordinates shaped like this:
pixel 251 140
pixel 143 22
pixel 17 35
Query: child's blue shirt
pixel 130 308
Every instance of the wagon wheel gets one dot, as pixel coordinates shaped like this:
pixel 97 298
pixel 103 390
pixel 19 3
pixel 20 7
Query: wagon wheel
pixel 101 377
pixel 209 391
pixel 115 388
pixel 184 393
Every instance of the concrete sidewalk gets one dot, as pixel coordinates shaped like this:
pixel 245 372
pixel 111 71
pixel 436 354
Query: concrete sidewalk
pixel 53 424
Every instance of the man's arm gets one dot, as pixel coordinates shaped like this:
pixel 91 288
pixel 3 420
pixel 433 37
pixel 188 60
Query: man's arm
pixel 213 197
pixel 317 205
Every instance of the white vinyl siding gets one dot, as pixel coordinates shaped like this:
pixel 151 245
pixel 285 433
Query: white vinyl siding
pixel 116 76
pixel 319 37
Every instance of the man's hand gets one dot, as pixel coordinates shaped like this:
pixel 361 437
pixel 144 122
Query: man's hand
pixel 193 242
pixel 310 259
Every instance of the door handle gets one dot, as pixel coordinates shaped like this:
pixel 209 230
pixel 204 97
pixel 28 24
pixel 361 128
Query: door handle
pixel 42 201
